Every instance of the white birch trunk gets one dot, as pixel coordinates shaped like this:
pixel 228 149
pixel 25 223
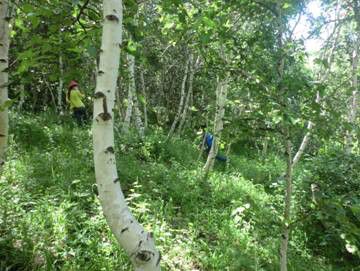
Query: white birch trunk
pixel 187 101
pixel 284 238
pixel 130 102
pixel 61 84
pixel 323 77
pixel 143 87
pixel 181 105
pixel 132 87
pixel 22 98
pixel 4 63
pixel 221 93
pixel 287 208
pixel 138 244
pixel 353 106
pixel 306 139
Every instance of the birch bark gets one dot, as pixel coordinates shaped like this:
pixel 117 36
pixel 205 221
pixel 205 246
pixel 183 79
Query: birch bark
pixel 4 63
pixel 324 74
pixel 143 88
pixel 284 238
pixel 221 93
pixel 288 200
pixel 182 98
pixel 353 105
pixel 130 101
pixel 138 244
pixel 137 114
pixel 61 83
pixel 187 101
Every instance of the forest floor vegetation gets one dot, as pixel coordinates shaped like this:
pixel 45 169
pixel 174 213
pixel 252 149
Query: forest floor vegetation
pixel 51 218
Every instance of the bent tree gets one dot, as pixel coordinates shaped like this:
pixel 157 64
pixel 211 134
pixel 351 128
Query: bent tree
pixel 138 244
pixel 4 49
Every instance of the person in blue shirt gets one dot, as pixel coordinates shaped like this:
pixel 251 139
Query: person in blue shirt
pixel 207 141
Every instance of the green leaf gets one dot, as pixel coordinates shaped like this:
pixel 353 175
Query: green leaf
pixel 208 22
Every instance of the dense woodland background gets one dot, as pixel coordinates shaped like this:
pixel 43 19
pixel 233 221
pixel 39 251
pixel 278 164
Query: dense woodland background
pixel 286 116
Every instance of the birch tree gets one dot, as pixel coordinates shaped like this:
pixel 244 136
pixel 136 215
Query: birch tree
pixel 138 244
pixel 192 68
pixel 221 94
pixel 182 99
pixel 354 58
pixel 284 238
pixel 132 88
pixel 130 102
pixel 143 88
pixel 4 63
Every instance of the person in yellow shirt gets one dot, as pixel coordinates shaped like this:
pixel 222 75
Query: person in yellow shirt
pixel 74 98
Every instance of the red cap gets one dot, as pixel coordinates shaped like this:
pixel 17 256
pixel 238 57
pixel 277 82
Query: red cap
pixel 72 84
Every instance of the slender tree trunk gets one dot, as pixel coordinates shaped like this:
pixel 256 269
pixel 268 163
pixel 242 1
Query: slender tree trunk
pixel 324 74
pixel 227 155
pixel 130 102
pixel 182 98
pixel 22 98
pixel 221 93
pixel 132 87
pixel 353 106
pixel 61 84
pixel 143 87
pixel 4 63
pixel 284 239
pixel 138 244
pixel 287 207
pixel 187 101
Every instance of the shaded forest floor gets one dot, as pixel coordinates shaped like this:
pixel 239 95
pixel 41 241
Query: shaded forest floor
pixel 51 219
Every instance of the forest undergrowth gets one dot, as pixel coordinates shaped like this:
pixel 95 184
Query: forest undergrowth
pixel 51 218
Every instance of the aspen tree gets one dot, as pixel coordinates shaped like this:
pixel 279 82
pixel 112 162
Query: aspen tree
pixel 285 231
pixel 353 103
pixel 130 102
pixel 4 63
pixel 182 99
pixel 221 93
pixel 143 88
pixel 138 244
pixel 132 88
pixel 187 101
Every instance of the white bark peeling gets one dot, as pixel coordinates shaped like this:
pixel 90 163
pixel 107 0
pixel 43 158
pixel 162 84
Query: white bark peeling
pixel 137 243
pixel 4 63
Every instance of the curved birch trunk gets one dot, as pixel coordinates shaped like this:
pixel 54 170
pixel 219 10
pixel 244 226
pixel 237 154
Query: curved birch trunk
pixel 182 98
pixel 4 51
pixel 221 93
pixel 138 244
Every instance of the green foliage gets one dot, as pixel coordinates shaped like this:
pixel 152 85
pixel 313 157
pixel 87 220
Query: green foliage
pixel 51 218
pixel 335 212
